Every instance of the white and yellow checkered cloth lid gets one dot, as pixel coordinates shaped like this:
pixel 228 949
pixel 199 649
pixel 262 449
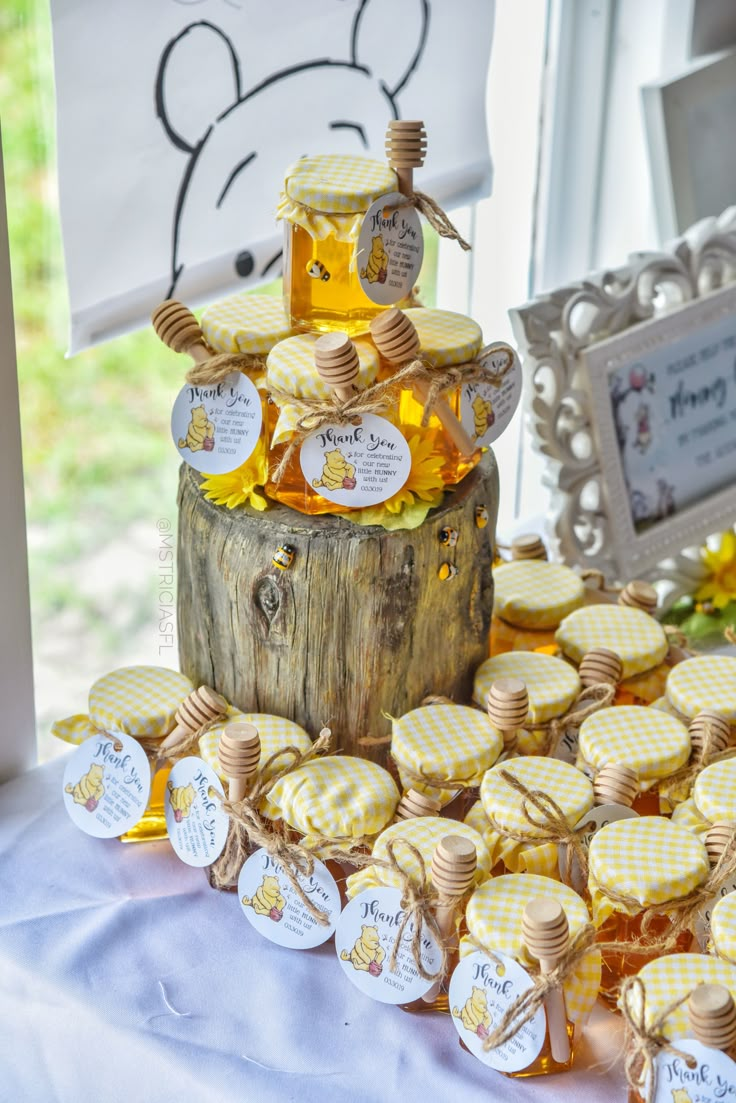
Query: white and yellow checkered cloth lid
pixel 704 682
pixel 290 368
pixel 671 978
pixel 531 593
pixel 445 337
pixel 425 833
pixel 246 323
pixel 714 792
pixel 137 700
pixel 551 683
pixel 686 815
pixel 723 927
pixel 649 858
pixel 329 194
pixel 276 732
pixel 646 739
pixel 647 687
pixel 494 917
pixel 503 806
pixel 339 797
pixel 452 742
pixel 636 637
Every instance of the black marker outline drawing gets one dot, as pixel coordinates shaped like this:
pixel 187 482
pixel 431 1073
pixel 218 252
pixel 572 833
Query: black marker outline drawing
pixel 244 261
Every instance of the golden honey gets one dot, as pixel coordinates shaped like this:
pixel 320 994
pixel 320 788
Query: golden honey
pixel 152 825
pixel 617 965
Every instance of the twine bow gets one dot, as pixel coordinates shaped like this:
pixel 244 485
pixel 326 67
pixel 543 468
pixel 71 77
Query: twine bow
pixel 644 1043
pixel 590 700
pixel 551 827
pixel 436 217
pixel 218 367
pixel 190 740
pixel 417 902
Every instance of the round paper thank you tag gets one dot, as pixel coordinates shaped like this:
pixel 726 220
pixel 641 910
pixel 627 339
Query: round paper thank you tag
pixel 216 426
pixel 356 465
pixel 364 941
pixel 390 249
pixel 709 1078
pixel 195 821
pixel 485 410
pixel 276 910
pixel 107 782
pixel 481 991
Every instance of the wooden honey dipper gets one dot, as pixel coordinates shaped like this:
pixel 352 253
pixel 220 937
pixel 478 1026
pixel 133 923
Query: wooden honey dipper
pixel 239 753
pixel 528 546
pixel 599 666
pixel 546 936
pixel 397 340
pixel 406 146
pixel 720 730
pixel 414 804
pixel 639 595
pixel 712 1015
pixel 616 784
pixel 177 327
pixel 507 705
pixel 337 363
pixel 454 863
pixel 717 838
pixel 201 707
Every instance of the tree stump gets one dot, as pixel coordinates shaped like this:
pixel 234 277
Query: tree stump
pixel 359 626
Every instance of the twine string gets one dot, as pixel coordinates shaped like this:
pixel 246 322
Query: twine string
pixel 644 1043
pixel 590 700
pixel 417 903
pixel 222 364
pixel 437 218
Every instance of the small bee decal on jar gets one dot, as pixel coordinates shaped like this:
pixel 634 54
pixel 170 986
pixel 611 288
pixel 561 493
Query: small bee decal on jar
pixel 448 537
pixel 481 516
pixel 317 270
pixel 283 557
pixel 446 572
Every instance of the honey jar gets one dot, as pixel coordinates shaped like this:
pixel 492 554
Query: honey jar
pixel 275 732
pixel 444 742
pixel 713 799
pixel 723 929
pixel 704 682
pixel 497 919
pixel 634 865
pixel 323 206
pixel 531 598
pixel 636 637
pixel 648 741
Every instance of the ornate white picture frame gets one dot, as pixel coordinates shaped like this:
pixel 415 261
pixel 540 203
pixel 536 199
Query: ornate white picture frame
pixel 631 397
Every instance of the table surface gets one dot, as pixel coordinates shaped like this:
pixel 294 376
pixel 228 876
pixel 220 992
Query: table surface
pixel 123 976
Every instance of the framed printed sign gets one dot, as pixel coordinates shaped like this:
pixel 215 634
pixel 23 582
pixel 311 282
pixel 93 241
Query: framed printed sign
pixel 633 402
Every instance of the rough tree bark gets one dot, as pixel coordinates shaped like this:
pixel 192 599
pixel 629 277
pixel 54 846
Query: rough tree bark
pixel 358 627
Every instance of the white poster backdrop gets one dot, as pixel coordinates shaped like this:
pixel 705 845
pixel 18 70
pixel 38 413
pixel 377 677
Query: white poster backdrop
pixel 177 119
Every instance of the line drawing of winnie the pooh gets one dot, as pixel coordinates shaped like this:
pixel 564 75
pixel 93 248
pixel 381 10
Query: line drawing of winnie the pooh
pixel 377 265
pixel 483 415
pixel 367 954
pixel 474 1014
pixel 267 899
pixel 200 432
pixel 89 790
pixel 337 473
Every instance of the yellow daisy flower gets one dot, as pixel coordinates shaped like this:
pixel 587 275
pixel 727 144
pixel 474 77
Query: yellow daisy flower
pixel 242 485
pixel 424 478
pixel 720 587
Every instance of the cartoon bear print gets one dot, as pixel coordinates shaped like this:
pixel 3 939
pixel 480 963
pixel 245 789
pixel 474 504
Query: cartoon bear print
pixel 483 415
pixel 323 105
pixel 200 432
pixel 337 473
pixel 377 265
pixel 474 1013
pixel 367 954
pixel 182 798
pixel 267 899
pixel 89 790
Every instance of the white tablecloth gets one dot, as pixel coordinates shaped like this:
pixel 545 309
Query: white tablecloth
pixel 124 977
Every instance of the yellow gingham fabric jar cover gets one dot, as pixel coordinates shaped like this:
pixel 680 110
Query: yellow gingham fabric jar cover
pixel 704 682
pixel 494 916
pixel 423 832
pixel 445 338
pixel 533 594
pixel 567 786
pixel 246 323
pixel 635 636
pixel 290 368
pixel 340 797
pixel 443 741
pixel 714 792
pixel 649 858
pixel 669 979
pixel 329 194
pixel 137 700
pixel 686 815
pixel 648 740
pixel 552 685
pixel 275 732
pixel 723 928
